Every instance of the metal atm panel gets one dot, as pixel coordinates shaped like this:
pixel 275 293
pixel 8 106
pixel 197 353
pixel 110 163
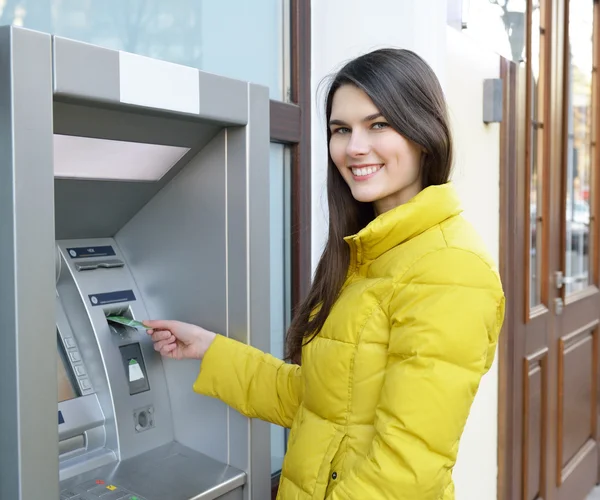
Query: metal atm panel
pixel 80 238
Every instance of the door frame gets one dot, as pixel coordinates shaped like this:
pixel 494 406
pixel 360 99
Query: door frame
pixel 508 438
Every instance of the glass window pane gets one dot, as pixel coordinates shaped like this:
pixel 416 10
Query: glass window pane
pixel 236 38
pixel 498 25
pixel 280 204
pixel 579 141
pixel 535 159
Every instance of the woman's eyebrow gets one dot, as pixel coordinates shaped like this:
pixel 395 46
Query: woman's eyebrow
pixel 369 118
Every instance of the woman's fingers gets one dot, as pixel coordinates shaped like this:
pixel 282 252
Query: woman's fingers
pixel 159 335
pixel 159 345
pixel 168 348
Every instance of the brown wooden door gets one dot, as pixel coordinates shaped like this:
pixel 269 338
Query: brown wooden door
pixel 550 195
pixel 575 332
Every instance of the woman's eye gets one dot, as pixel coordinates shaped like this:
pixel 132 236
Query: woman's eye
pixel 379 125
pixel 341 130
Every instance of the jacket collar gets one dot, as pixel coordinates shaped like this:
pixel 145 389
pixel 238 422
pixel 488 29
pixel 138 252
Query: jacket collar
pixel 428 208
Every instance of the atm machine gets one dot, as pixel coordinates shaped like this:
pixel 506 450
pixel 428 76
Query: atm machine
pixel 136 187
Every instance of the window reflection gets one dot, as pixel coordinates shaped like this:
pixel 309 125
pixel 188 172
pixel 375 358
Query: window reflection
pixel 237 38
pixel 499 25
pixel 280 276
pixel 579 142
pixel 536 143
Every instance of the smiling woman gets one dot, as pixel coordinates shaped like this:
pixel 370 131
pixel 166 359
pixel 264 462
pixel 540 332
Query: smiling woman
pixel 384 109
pixel 403 316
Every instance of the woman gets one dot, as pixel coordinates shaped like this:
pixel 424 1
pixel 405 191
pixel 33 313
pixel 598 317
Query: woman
pixel 402 319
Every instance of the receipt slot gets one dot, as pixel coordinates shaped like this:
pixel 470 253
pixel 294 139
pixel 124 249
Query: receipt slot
pixel 136 188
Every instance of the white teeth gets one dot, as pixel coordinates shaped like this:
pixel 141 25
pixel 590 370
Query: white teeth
pixel 358 172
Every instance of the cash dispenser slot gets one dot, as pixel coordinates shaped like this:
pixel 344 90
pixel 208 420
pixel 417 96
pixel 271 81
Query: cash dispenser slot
pixel 72 444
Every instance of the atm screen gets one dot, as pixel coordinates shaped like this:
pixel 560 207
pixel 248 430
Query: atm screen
pixel 66 388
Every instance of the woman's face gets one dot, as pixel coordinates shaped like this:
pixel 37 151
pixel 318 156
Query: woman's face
pixel 379 165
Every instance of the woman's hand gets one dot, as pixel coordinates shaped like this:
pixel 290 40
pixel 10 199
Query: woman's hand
pixel 178 340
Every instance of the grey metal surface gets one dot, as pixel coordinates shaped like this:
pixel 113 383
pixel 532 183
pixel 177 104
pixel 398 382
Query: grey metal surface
pixel 80 414
pixel 223 98
pixel 83 70
pixel 82 210
pixel 175 247
pixel 125 124
pixel 236 494
pixel 91 73
pixel 172 472
pixel 237 276
pixel 96 337
pixel 28 441
pixel 259 272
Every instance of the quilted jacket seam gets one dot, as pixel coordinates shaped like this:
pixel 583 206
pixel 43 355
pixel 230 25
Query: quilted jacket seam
pixel 400 279
pixel 443 234
pixel 377 306
pixel 445 488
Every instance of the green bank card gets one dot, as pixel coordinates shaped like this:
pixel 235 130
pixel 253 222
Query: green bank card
pixel 126 321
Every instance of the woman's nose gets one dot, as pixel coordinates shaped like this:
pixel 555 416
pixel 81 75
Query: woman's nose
pixel 358 145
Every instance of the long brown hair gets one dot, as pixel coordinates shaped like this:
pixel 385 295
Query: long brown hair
pixel 408 94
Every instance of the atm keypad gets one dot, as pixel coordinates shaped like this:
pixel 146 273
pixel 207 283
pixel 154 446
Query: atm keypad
pixel 98 489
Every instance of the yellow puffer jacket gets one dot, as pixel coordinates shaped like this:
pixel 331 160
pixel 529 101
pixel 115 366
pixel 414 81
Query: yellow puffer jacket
pixel 378 407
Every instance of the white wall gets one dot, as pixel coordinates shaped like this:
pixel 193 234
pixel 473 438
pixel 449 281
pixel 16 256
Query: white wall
pixel 343 29
pixel 477 178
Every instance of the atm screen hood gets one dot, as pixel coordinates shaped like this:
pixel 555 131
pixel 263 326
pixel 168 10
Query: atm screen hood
pixel 106 159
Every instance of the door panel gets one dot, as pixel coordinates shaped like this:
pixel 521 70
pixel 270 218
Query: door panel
pixel 535 418
pixel 552 264
pixel 576 400
pixel 576 329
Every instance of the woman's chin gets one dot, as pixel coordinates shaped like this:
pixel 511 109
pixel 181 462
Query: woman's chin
pixel 364 196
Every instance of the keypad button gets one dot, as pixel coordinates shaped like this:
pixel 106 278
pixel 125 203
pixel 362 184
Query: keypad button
pixel 80 370
pixel 84 383
pixel 99 490
pixel 108 490
pixel 114 495
pixel 69 343
pixel 88 485
pixel 75 356
pixel 67 494
pixel 111 487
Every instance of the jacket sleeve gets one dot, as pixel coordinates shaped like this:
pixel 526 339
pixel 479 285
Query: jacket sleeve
pixel 256 384
pixel 445 317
